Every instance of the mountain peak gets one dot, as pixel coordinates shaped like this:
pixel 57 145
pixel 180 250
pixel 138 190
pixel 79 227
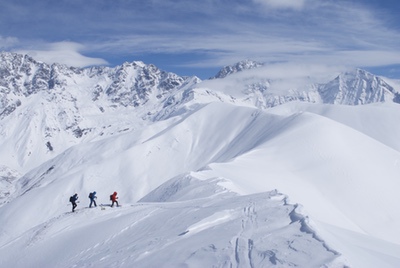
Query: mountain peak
pixel 237 67
pixel 356 87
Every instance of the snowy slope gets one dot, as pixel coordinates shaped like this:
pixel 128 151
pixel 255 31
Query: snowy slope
pixel 323 157
pixel 46 109
pixel 205 176
pixel 332 171
pixel 253 231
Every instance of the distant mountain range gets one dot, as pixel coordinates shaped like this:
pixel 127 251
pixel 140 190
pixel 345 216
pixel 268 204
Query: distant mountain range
pixel 137 84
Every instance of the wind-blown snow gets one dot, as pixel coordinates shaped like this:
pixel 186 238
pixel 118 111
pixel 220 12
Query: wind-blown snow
pixel 219 182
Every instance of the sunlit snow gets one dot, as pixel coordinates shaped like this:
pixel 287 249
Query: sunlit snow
pixel 214 181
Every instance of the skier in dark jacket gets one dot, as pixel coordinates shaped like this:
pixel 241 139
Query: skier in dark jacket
pixel 92 197
pixel 73 200
pixel 114 199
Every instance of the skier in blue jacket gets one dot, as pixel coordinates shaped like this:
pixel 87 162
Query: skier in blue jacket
pixel 92 197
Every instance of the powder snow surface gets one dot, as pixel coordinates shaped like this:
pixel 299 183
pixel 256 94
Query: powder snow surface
pixel 306 185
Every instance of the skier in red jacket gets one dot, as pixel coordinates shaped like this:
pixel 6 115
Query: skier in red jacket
pixel 114 198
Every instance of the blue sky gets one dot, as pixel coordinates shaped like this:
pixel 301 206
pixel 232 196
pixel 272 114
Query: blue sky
pixel 199 37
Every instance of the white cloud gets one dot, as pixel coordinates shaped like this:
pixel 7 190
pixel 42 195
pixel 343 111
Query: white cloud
pixel 282 77
pixel 64 53
pixel 282 4
pixel 321 32
pixel 331 32
pixel 7 42
pixel 363 58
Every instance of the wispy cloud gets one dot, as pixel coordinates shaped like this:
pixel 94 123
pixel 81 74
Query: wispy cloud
pixel 65 53
pixel 8 42
pixel 323 29
pixel 281 4
pixel 222 32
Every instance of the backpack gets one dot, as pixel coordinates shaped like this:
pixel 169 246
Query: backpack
pixel 71 199
pixel 111 197
pixel 91 195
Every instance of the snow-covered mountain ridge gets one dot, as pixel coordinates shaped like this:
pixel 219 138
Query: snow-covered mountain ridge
pixel 81 104
pixel 244 170
pixel 131 84
pixel 352 87
pixel 137 84
pixel 238 67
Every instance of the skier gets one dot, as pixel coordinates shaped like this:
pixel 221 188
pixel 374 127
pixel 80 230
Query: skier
pixel 114 198
pixel 92 196
pixel 73 200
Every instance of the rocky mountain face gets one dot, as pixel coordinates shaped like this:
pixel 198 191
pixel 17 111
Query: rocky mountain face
pixel 131 84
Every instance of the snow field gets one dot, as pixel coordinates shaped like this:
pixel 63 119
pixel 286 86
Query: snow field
pixel 205 175
pixel 252 231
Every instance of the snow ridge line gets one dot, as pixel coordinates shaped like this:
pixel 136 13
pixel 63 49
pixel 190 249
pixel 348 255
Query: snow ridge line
pixel 304 221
